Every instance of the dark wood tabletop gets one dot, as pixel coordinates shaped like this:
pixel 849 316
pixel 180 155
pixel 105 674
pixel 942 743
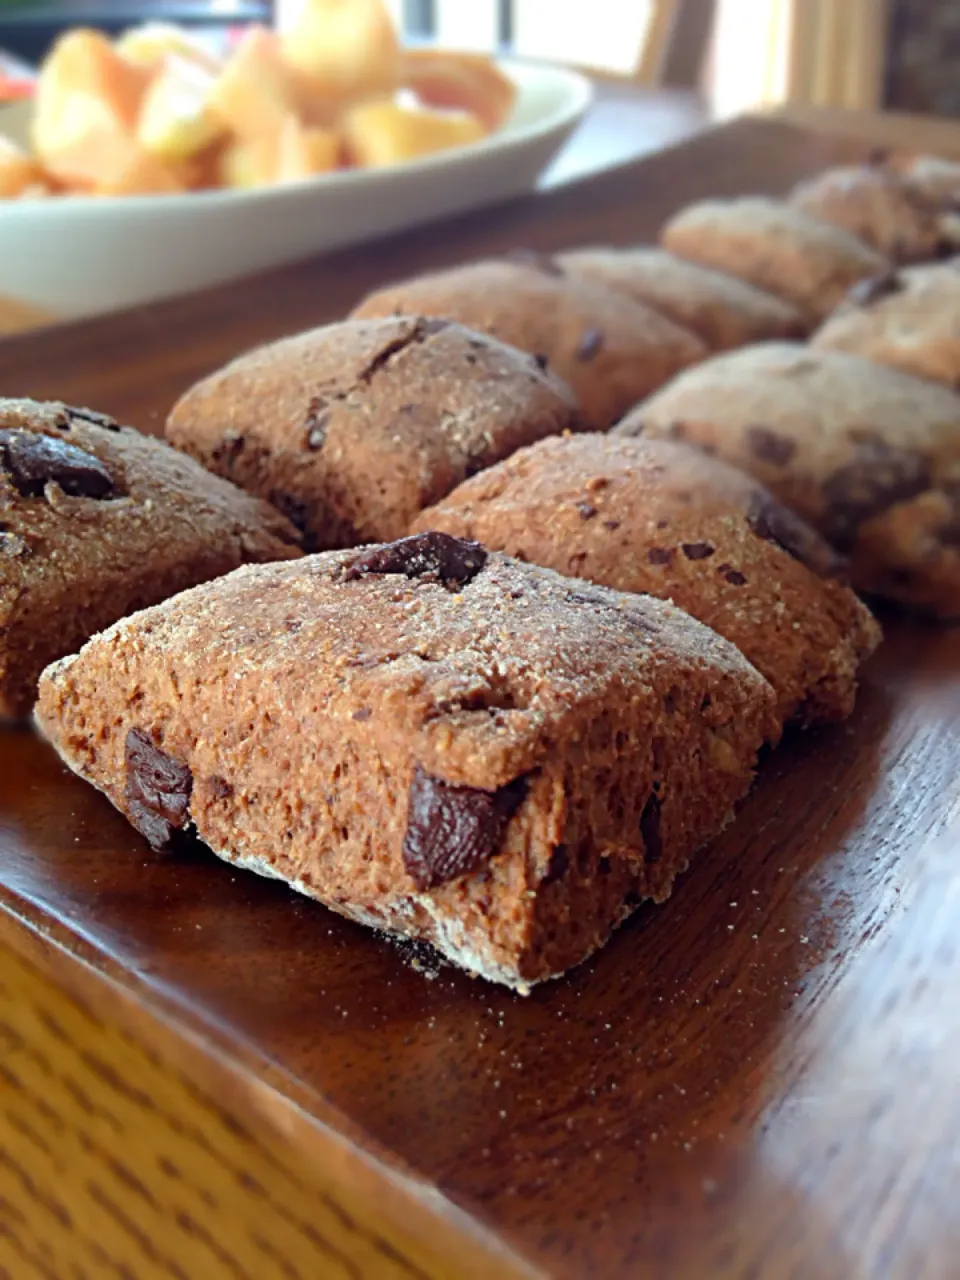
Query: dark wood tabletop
pixel 757 1079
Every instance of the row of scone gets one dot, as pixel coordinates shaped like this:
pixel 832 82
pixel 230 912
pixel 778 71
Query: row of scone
pixel 448 742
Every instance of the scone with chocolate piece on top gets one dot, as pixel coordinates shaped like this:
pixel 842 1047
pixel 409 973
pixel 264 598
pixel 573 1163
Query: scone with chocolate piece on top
pixel 909 319
pixel 428 738
pixel 774 246
pixel 661 518
pixel 877 204
pixel 352 428
pixel 97 520
pixel 722 310
pixel 611 349
pixel 867 455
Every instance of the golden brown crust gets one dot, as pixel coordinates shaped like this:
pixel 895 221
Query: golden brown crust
pixel 867 455
pixel 610 349
pixel 306 718
pixel 877 204
pixel 132 524
pixel 774 246
pixel 905 318
pixel 657 517
pixel 722 310
pixel 352 428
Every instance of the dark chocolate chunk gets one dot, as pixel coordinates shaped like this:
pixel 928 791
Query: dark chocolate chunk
pixel 543 262
pixel 612 525
pixel 220 788
pixel 697 550
pixel 363 713
pixel 877 477
pixel 732 575
pixel 541 361
pixel 293 508
pixel 590 344
pixel 452 830
pixel 660 555
pixel 157 790
pixel 769 447
pixel 650 829
pixel 32 461
pixel 318 419
pixel 865 292
pixel 93 417
pixel 558 866
pixel 454 561
pixel 587 510
pixel 778 524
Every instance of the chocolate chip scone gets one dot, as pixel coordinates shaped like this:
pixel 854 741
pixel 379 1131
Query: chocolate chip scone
pixel 909 319
pixel 352 428
pixel 657 517
pixel 432 740
pixel 611 349
pixel 724 311
pixel 877 204
pixel 774 246
pixel 867 455
pixel 96 521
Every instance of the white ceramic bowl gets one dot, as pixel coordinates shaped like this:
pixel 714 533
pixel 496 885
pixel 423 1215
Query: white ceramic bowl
pixel 78 255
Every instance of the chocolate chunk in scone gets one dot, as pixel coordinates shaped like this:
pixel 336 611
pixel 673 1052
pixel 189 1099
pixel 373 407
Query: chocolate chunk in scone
pixel 878 205
pixel 774 246
pixel 909 319
pixel 722 310
pixel 444 743
pixel 668 521
pixel 865 454
pixel 351 429
pixel 610 348
pixel 96 521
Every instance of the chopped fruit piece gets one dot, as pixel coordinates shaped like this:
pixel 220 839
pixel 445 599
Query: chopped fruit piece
pixel 18 171
pixel 342 51
pixel 304 150
pixel 86 106
pixel 460 81
pixel 140 174
pixel 385 133
pixel 176 121
pixel 256 90
pixel 251 162
pixel 153 42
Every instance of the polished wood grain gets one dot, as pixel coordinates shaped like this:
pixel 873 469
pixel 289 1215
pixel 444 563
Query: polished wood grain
pixel 757 1079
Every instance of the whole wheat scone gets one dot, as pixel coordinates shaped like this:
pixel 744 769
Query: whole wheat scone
pixel 909 318
pixel 658 517
pixel 774 246
pixel 877 204
pixel 867 455
pixel 611 349
pixel 724 311
pixel 431 740
pixel 96 521
pixel 352 428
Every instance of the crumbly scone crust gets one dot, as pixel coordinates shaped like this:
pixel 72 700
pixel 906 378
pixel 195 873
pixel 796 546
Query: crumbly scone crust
pixel 304 700
pixel 352 428
pixel 71 564
pixel 774 246
pixel 866 454
pixel 658 517
pixel 907 319
pixel 724 311
pixel 611 349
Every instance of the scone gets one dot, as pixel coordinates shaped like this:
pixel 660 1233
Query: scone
pixel 657 517
pixel 867 455
pixel 877 204
pixel 774 246
pixel 96 521
pixel 610 349
pixel 909 319
pixel 722 310
pixel 353 428
pixel 432 740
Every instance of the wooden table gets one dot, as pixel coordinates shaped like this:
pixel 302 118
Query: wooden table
pixel 204 1077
